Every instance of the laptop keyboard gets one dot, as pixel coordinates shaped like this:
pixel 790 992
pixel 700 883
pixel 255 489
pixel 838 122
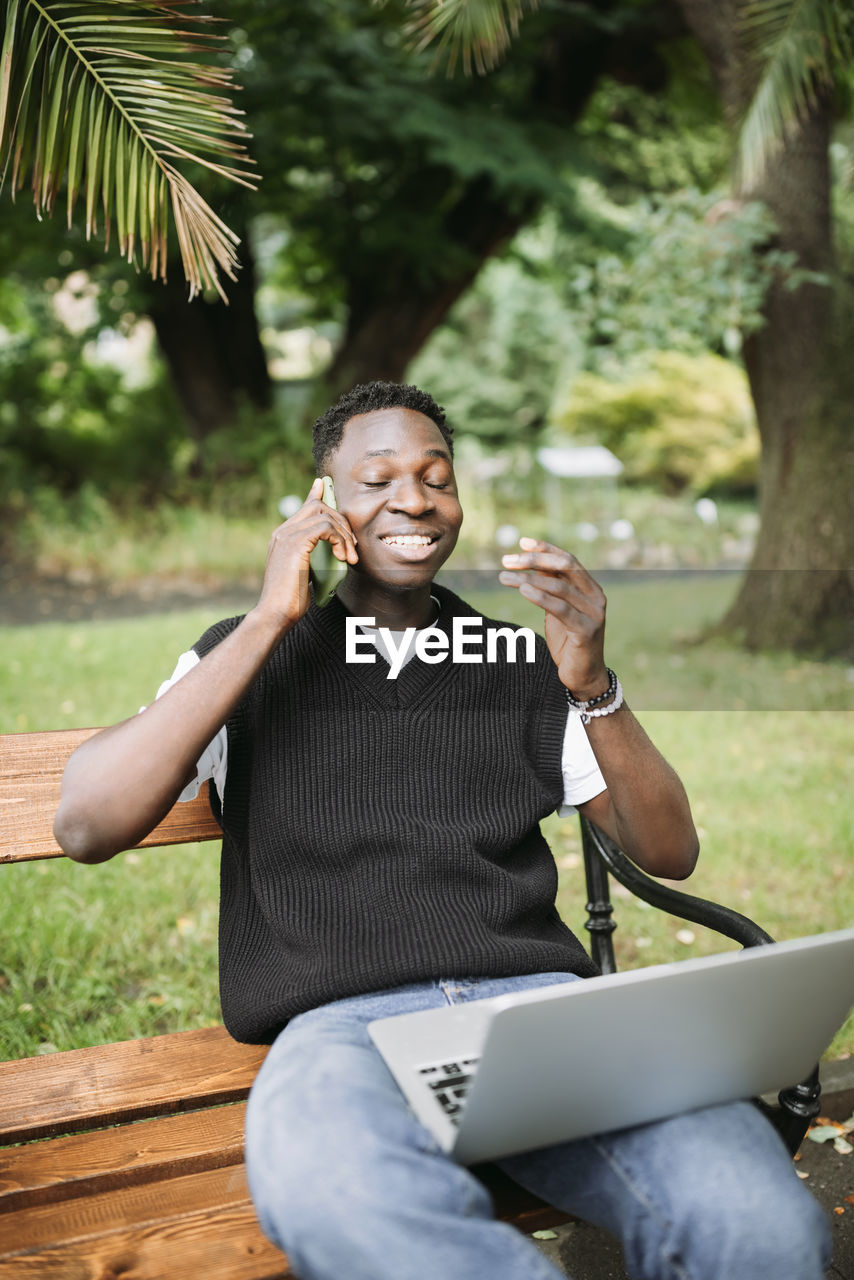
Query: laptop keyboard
pixel 449 1083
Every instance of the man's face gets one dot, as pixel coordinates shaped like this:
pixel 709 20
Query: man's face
pixel 395 483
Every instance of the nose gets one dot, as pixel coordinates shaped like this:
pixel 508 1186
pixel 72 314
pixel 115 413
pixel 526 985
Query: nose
pixel 411 496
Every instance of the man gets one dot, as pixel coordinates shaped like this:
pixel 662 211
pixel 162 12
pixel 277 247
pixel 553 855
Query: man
pixel 382 853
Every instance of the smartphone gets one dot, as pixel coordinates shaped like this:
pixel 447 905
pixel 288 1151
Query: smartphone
pixel 325 569
pixel 328 494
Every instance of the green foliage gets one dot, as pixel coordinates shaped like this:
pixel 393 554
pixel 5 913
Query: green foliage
pixel 368 162
pixel 97 101
pixel 658 143
pixel 687 276
pixel 68 419
pixel 468 31
pixel 682 422
pixel 495 362
pixel 366 156
pixel 678 273
pixel 373 169
pixel 247 467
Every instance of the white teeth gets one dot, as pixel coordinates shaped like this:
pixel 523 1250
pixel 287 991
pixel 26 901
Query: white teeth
pixel 408 540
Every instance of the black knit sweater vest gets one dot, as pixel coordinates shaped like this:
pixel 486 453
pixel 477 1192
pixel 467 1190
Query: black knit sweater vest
pixel 378 832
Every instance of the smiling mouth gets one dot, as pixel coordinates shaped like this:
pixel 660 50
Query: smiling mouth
pixel 409 539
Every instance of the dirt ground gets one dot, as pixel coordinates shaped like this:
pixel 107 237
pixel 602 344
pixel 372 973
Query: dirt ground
pixel 26 599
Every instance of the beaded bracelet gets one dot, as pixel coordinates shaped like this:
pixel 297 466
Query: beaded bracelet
pixel 587 716
pixel 585 710
pixel 584 704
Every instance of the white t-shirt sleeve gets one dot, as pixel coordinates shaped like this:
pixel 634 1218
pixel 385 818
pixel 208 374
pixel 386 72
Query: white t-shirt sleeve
pixel 582 778
pixel 213 762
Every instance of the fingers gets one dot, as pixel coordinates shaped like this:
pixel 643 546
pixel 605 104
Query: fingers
pixel 285 593
pixel 543 555
pixel 316 521
pixel 552 578
pixel 558 596
pixel 574 605
pixel 328 526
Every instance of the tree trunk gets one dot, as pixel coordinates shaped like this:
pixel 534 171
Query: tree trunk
pixel 214 352
pixel 390 320
pixel 799 589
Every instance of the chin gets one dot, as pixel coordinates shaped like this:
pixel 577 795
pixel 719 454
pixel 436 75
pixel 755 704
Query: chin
pixel 405 579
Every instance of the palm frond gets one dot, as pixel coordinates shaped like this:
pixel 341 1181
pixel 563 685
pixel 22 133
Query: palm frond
pixel 109 99
pixel 796 48
pixel 471 31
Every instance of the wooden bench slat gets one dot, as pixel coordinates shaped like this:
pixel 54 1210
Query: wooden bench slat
pixel 226 1244
pixel 31 768
pixel 88 1163
pixel 172 1146
pixel 143 1215
pixel 223 1242
pixel 148 1204
pixel 90 1088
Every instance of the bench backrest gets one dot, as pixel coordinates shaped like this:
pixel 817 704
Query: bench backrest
pixel 31 767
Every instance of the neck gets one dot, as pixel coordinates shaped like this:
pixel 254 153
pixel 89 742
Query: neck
pixel 393 607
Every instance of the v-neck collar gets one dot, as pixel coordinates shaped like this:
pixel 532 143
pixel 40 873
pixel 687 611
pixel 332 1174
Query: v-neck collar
pixel 416 680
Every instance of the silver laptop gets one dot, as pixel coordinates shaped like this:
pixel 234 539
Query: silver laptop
pixel 494 1077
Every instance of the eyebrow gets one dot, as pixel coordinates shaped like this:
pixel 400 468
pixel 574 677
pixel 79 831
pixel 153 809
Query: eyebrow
pixel 392 453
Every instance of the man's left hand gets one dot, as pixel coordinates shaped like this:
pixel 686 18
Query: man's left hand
pixel 574 606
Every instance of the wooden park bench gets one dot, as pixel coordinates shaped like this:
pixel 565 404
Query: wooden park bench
pixel 126 1160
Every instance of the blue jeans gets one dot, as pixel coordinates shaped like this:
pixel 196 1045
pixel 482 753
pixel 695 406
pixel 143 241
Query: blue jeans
pixel 348 1183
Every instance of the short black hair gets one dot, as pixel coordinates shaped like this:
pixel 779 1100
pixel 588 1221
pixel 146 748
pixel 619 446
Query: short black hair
pixel 366 398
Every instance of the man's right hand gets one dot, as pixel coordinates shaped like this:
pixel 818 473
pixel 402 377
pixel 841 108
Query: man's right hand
pixel 285 595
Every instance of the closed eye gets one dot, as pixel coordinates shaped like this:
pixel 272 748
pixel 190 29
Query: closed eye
pixel 378 484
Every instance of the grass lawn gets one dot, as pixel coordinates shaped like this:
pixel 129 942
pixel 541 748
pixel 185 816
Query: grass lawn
pixel 128 948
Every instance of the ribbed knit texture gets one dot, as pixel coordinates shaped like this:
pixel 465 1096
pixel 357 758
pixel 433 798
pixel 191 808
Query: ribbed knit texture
pixel 378 832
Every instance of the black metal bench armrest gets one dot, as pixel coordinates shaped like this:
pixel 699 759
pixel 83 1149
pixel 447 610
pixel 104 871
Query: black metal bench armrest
pixel 732 924
pixel 799 1104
